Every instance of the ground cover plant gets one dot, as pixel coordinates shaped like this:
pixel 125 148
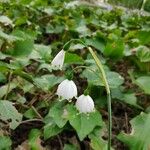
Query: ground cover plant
pixel 61 64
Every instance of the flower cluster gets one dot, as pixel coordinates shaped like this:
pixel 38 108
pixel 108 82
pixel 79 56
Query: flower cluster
pixel 67 88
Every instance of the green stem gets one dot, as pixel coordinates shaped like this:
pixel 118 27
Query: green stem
pixel 100 67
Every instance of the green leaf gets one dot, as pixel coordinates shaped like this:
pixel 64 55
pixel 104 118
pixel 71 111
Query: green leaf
pixel 22 47
pixel 97 43
pixel 46 82
pixel 127 97
pixel 114 78
pixel 51 129
pixel 7 88
pixel 43 51
pixel 59 114
pixel 83 123
pixel 144 83
pixel 71 58
pixel 9 38
pixel 97 143
pixel 144 37
pixel 5 143
pixel 114 47
pixel 9 113
pixel 33 138
pixel 139 138
pixel 30 113
pixel 143 53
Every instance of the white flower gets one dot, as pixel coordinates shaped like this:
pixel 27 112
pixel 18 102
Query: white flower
pixel 85 104
pixel 58 60
pixel 67 89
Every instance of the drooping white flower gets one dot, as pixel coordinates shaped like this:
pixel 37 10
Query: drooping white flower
pixel 67 89
pixel 85 104
pixel 58 60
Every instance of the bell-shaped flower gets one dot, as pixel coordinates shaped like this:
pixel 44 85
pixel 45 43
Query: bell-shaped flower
pixel 85 104
pixel 58 60
pixel 67 89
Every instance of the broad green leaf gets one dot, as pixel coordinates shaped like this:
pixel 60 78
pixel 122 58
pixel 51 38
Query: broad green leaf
pixel 144 37
pixel 97 43
pixel 43 51
pixel 59 114
pixel 83 123
pixel 139 138
pixel 114 79
pixel 5 143
pixel 22 47
pixel 143 53
pixel 9 113
pixel 9 38
pixel 71 58
pixel 97 143
pixel 114 47
pixel 144 83
pixel 126 97
pixel 5 89
pixel 33 139
pixel 30 113
pixel 51 129
pixel 46 82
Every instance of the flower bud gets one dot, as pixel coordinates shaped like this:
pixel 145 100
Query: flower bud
pixel 58 60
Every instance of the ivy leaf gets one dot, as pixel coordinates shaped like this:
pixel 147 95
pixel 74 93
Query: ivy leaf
pixel 9 112
pixel 144 83
pixel 83 123
pixel 139 138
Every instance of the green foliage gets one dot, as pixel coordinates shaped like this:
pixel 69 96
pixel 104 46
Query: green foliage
pixel 33 32
pixel 9 112
pixel 139 137
pixel 33 137
pixel 143 83
pixel 5 142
